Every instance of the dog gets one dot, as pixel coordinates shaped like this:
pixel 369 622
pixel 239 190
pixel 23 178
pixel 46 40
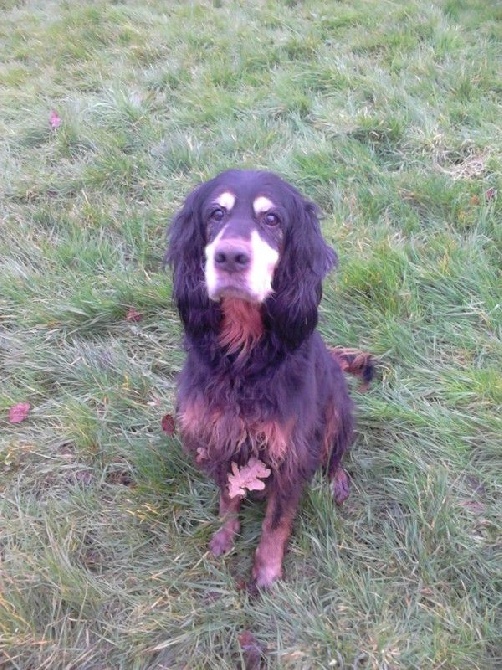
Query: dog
pixel 262 402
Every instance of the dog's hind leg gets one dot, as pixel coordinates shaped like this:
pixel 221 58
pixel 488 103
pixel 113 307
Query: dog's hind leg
pixel 337 439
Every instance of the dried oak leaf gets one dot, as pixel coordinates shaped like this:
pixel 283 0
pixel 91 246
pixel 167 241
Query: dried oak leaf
pixel 247 478
pixel 19 412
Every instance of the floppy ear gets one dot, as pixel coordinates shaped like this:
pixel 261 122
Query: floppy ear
pixel 185 255
pixel 305 261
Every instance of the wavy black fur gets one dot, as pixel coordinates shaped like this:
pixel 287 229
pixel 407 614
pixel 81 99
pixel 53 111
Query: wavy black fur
pixel 288 378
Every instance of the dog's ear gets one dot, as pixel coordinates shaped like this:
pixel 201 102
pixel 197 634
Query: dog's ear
pixel 185 255
pixel 305 261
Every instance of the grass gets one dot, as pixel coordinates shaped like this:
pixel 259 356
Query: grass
pixel 387 115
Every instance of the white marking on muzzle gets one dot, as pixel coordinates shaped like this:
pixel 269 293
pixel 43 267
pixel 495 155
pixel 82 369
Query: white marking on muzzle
pixel 210 266
pixel 255 283
pixel 264 260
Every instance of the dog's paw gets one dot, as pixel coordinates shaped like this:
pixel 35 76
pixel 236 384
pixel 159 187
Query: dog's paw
pixel 340 485
pixel 222 541
pixel 264 575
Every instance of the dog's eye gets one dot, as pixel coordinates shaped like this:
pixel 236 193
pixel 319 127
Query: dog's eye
pixel 271 219
pixel 217 214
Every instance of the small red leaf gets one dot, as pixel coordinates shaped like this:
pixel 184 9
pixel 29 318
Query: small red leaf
pixel 168 424
pixel 491 194
pixel 133 315
pixel 19 412
pixel 55 120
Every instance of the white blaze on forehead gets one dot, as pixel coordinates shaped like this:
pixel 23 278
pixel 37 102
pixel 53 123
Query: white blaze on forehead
pixel 264 260
pixel 226 200
pixel 262 204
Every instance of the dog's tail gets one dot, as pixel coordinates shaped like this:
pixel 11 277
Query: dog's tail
pixel 355 362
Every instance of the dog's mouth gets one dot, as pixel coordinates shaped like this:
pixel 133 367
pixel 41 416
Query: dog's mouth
pixel 232 287
pixel 240 269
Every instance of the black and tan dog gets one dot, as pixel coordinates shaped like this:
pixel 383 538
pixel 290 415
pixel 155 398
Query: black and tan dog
pixel 261 398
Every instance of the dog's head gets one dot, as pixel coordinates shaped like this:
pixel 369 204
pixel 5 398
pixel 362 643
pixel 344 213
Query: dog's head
pixel 249 235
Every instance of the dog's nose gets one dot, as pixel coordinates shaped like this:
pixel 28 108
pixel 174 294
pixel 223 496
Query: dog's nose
pixel 232 258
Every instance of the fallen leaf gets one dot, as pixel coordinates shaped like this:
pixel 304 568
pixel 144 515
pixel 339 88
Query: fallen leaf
pixel 491 193
pixel 168 424
pixel 474 506
pixel 133 315
pixel 122 477
pixel 19 412
pixel 249 477
pixel 84 477
pixel 252 650
pixel 55 120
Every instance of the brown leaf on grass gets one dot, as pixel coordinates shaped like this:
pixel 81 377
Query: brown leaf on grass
pixel 84 477
pixel 55 120
pixel 168 424
pixel 252 651
pixel 19 412
pixel 474 506
pixel 133 315
pixel 120 477
pixel 247 478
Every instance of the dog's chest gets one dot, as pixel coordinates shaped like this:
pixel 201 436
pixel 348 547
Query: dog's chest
pixel 225 433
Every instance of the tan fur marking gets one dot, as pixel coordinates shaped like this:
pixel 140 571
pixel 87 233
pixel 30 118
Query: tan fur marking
pixel 267 566
pixel 276 438
pixel 222 541
pixel 329 434
pixel 226 200
pixel 197 422
pixel 262 204
pixel 242 325
pixel 216 429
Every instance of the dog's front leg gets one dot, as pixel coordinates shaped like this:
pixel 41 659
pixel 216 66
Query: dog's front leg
pixel 276 529
pixel 223 540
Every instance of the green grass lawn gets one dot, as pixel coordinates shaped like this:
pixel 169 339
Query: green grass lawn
pixel 388 114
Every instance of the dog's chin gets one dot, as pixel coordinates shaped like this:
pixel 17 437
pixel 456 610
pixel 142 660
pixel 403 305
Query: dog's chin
pixel 235 291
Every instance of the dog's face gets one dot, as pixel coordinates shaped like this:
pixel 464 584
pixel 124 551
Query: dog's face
pixel 245 216
pixel 249 235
